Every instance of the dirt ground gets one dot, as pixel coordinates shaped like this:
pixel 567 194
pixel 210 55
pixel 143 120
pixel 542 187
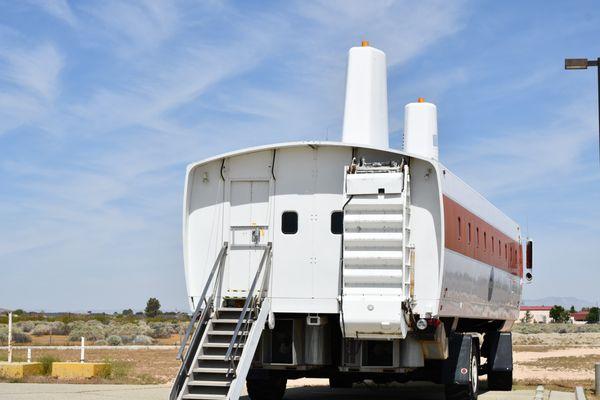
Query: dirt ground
pixel 560 360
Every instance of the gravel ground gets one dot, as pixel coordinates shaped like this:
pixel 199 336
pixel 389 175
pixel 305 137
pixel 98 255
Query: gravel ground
pixel 27 391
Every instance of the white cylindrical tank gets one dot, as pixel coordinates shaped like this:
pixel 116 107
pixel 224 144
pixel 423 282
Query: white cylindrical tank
pixel 366 109
pixel 420 129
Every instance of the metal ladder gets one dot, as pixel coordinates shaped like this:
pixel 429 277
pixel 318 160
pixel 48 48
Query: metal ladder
pixel 223 343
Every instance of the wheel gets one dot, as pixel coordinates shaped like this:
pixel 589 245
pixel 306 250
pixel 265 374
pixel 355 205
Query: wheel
pixel 500 380
pixel 340 382
pixel 468 391
pixel 272 388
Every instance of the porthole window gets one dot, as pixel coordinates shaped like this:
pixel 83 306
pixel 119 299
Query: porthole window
pixel 289 222
pixel 337 222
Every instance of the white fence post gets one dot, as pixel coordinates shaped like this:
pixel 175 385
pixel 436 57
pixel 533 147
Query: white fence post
pixel 82 358
pixel 29 354
pixel 10 337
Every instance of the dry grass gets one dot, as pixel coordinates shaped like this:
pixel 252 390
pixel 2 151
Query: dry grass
pixel 128 366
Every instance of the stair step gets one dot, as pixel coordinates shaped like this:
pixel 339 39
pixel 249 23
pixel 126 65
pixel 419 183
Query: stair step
pixel 204 397
pixel 221 345
pixel 225 333
pixel 373 237
pixel 230 321
pixel 207 370
pixel 209 383
pixel 215 357
pixel 238 309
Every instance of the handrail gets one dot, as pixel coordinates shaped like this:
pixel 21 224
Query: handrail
pixel 201 316
pixel 199 309
pixel 249 298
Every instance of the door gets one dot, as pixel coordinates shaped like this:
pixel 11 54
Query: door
pixel 248 212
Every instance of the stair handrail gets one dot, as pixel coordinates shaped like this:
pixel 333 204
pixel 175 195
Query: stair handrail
pixel 233 344
pixel 200 315
pixel 199 310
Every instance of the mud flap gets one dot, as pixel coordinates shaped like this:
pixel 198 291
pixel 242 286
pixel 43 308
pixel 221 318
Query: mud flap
pixel 457 367
pixel 500 351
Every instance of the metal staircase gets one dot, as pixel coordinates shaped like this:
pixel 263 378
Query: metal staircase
pixel 376 257
pixel 224 339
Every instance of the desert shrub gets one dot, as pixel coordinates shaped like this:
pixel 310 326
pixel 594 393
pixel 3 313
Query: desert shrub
pixel 41 330
pixel 26 326
pixel 143 340
pixel 91 330
pixel 161 330
pixel 58 328
pixel 18 336
pixel 101 342
pixel 114 340
pixel 47 361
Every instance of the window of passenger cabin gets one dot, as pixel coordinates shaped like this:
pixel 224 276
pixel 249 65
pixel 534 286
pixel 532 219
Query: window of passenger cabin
pixel 505 251
pixel 485 240
pixel 337 222
pixel 477 237
pixel 459 228
pixel 492 245
pixel 289 222
pixel 469 233
pixel 499 249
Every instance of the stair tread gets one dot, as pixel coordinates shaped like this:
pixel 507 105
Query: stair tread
pixel 225 333
pixel 229 320
pixel 222 345
pixel 239 309
pixel 190 396
pixel 211 370
pixel 215 357
pixel 209 383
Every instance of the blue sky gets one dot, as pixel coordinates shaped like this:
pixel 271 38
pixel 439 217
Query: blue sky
pixel 102 104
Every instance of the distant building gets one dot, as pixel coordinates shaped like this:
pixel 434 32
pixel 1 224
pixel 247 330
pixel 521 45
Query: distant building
pixel 579 317
pixel 538 314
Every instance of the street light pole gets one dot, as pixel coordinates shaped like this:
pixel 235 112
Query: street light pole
pixel 584 63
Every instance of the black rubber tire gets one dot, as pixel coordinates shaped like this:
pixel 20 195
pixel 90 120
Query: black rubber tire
pixel 266 389
pixel 340 382
pixel 469 391
pixel 500 380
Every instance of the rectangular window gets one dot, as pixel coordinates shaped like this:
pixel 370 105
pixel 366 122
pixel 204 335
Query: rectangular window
pixel 289 222
pixel 492 245
pixel 505 251
pixel 477 237
pixel 469 233
pixel 484 240
pixel 499 249
pixel 337 222
pixel 459 229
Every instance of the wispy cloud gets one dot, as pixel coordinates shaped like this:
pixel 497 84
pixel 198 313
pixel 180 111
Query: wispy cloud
pixel 35 70
pixel 57 8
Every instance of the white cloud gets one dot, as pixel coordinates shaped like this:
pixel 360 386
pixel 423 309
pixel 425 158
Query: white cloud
pixel 36 70
pixel 59 9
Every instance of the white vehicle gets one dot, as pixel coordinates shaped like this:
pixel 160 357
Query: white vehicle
pixel 346 260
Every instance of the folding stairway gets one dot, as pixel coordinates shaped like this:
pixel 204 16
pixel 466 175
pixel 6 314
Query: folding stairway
pixel 376 257
pixel 222 346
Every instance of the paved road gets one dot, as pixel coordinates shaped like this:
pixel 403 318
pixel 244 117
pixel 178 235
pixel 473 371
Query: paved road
pixel 32 391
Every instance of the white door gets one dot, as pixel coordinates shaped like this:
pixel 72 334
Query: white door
pixel 248 208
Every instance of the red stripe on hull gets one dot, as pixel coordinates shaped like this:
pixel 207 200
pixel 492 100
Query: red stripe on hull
pixel 471 236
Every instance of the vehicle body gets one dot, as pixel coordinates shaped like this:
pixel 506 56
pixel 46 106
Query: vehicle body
pixel 374 263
